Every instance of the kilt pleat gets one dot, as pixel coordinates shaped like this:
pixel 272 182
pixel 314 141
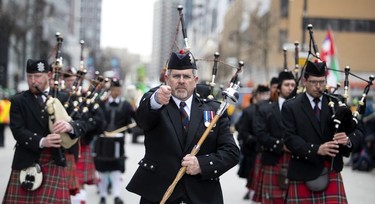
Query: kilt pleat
pixel 257 179
pixel 270 187
pixel 298 193
pixel 71 173
pixel 86 170
pixel 54 188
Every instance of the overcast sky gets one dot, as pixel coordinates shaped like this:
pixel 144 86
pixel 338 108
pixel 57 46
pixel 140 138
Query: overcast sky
pixel 127 24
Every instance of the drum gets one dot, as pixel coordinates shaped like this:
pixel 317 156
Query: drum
pixel 109 148
pixel 109 153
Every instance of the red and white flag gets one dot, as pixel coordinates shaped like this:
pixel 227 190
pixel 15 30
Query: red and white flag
pixel 329 55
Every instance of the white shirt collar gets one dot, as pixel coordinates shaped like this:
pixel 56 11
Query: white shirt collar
pixel 188 103
pixel 116 100
pixel 312 103
pixel 281 101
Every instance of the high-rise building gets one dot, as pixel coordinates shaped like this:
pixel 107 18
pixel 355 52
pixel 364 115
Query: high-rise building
pixel 166 20
pixel 90 30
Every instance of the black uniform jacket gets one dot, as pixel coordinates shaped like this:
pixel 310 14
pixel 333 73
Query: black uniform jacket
pixel 304 134
pixel 165 148
pixel 123 114
pixel 247 140
pixel 270 132
pixel 29 123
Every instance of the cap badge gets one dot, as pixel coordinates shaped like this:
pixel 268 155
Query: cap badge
pixel 40 66
pixel 191 58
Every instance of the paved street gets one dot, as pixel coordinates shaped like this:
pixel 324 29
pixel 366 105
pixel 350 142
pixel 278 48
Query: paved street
pixel 360 186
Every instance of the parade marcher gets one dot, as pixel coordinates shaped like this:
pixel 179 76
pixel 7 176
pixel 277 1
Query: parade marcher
pixel 249 165
pixel 275 157
pixel 110 152
pixel 84 171
pixel 38 150
pixel 71 154
pixel 274 84
pixel 364 158
pixel 316 150
pixel 133 95
pixel 172 131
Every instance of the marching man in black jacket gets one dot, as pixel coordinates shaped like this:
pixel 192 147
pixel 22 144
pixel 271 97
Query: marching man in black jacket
pixel 275 156
pixel 317 150
pixel 170 136
pixel 37 145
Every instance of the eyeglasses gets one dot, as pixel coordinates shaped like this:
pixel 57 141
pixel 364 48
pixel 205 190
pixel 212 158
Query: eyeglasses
pixel 316 82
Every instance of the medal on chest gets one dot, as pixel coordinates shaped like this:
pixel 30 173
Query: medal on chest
pixel 207 117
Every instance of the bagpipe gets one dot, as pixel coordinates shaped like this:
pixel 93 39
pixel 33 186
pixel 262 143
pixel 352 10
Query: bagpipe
pixel 344 119
pixel 80 99
pixel 229 96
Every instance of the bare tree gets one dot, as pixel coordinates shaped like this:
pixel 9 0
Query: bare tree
pixel 6 28
pixel 20 20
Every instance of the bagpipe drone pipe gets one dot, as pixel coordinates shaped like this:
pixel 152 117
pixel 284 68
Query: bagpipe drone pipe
pixel 81 99
pixel 343 117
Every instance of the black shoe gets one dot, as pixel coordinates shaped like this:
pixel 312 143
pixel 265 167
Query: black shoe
pixel 102 200
pixel 118 201
pixel 134 142
pixel 109 188
pixel 247 196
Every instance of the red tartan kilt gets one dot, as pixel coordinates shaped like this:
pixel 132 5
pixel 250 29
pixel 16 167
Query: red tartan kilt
pixel 269 174
pixel 54 188
pixel 298 192
pixel 86 170
pixel 71 173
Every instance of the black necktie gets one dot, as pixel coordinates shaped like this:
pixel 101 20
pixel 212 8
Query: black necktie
pixel 316 108
pixel 184 116
pixel 113 103
pixel 40 100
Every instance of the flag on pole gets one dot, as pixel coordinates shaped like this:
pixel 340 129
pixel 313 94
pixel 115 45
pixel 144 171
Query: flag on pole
pixel 329 55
